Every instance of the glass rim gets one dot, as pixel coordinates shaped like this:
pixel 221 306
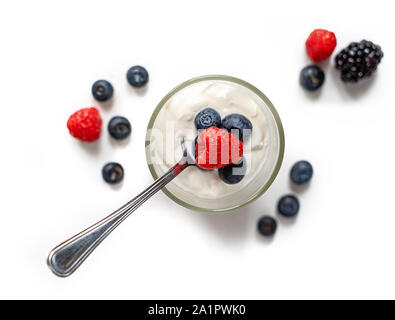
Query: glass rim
pixel 261 95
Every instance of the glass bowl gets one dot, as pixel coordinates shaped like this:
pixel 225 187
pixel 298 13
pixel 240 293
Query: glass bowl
pixel 264 171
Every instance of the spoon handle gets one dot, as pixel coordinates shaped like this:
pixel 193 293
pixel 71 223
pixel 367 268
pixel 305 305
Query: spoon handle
pixel 68 256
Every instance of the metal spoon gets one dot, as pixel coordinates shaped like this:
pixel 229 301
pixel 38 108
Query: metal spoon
pixel 68 256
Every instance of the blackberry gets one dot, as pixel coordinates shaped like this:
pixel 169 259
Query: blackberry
pixel 358 60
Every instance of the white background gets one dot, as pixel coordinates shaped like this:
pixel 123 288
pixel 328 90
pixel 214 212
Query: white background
pixel 340 246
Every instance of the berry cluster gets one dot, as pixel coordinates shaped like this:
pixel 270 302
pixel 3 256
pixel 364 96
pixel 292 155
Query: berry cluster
pixel 288 205
pixel 85 124
pixel 219 144
pixel 319 47
pixel 356 62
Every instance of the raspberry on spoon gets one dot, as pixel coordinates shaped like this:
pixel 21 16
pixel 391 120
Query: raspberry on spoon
pixel 216 148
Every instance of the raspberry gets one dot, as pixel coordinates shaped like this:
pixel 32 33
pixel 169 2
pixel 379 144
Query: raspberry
pixel 85 124
pixel 216 148
pixel 320 44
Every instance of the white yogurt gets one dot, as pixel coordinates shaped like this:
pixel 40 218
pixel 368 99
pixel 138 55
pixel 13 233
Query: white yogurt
pixel 176 119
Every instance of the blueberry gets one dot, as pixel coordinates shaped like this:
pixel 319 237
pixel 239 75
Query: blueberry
pixel 112 173
pixel 119 127
pixel 312 78
pixel 233 173
pixel 207 118
pixel 267 226
pixel 301 172
pixel 137 76
pixel 237 122
pixel 288 206
pixel 102 90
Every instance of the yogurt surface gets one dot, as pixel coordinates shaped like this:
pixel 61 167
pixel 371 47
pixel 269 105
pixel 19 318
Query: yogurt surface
pixel 176 120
